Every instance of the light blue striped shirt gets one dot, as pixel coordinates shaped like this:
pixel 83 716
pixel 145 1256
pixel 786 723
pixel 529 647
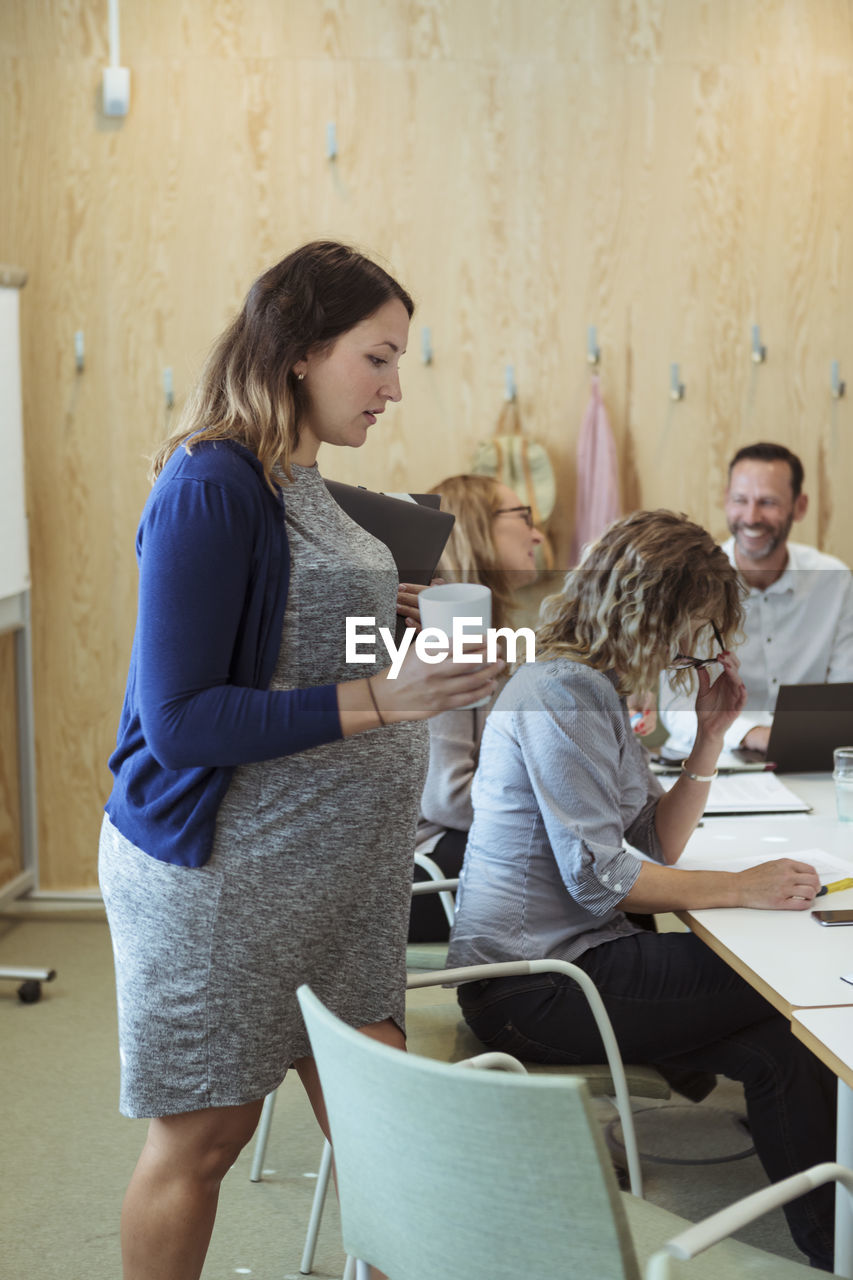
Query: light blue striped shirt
pixel 561 783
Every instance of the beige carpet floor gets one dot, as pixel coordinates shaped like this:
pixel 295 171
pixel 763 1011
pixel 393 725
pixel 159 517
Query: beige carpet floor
pixel 66 1154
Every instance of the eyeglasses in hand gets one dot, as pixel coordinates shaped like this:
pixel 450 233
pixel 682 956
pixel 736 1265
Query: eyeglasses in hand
pixel 683 660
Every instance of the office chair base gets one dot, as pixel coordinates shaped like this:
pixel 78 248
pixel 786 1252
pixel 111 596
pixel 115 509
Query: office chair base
pixel 667 1134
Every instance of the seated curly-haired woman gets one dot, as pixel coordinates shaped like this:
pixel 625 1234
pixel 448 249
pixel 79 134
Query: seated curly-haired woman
pixel 562 784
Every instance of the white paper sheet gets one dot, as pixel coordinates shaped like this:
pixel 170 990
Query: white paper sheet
pixel 827 865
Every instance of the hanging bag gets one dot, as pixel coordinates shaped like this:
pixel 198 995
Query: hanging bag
pixel 522 465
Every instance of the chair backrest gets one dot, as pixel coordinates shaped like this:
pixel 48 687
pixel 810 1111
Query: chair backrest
pixel 444 1171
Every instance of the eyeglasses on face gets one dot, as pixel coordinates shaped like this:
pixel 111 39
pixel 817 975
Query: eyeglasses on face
pixel 683 660
pixel 525 512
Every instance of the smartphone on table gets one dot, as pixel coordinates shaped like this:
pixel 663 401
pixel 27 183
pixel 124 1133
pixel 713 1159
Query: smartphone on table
pixel 833 917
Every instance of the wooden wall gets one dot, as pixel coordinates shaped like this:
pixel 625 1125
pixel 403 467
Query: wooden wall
pixel 671 171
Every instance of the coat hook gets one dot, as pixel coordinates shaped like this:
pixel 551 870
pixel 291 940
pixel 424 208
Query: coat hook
pixel 331 141
pixel 593 350
pixel 510 389
pixel 838 387
pixel 759 353
pixel 426 345
pixel 168 387
pixel 676 388
pixel 79 351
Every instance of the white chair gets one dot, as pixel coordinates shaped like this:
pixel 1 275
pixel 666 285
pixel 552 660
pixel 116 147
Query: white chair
pixel 438 1031
pixel 479 1175
pixel 441 1033
pixel 445 888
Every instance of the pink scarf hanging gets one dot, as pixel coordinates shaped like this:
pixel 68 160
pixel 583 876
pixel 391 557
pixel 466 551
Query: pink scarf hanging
pixel 597 474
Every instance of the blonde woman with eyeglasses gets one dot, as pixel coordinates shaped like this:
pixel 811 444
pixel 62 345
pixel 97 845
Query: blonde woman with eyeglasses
pixel 493 542
pixel 562 785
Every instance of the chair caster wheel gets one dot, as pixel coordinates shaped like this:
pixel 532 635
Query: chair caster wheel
pixel 30 991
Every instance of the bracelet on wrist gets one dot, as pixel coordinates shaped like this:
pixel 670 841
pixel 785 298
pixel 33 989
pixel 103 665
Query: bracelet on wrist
pixel 698 777
pixel 382 719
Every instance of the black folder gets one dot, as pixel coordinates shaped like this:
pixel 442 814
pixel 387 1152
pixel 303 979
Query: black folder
pixel 414 532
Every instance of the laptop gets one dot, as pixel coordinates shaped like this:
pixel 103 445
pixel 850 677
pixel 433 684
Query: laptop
pixel 810 720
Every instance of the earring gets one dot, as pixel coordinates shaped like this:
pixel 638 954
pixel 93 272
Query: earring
pixel 300 376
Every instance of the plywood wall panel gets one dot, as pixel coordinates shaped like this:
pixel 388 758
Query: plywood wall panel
pixel 671 171
pixel 764 32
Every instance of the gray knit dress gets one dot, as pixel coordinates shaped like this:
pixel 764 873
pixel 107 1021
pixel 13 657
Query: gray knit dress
pixel 310 875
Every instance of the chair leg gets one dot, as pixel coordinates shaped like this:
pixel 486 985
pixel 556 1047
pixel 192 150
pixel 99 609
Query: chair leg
pixel 317 1206
pixel 349 1269
pixel 256 1172
pixel 622 1103
pixel 362 1271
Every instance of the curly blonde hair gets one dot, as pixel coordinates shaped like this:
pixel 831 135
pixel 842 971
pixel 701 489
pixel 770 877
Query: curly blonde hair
pixel 470 554
pixel 652 580
pixel 247 390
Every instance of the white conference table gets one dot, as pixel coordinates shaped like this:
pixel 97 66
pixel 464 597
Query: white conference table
pixel 792 960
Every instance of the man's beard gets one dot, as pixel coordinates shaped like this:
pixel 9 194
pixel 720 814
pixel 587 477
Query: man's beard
pixel 774 538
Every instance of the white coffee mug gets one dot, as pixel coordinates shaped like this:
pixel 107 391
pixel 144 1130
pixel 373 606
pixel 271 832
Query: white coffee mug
pixel 441 605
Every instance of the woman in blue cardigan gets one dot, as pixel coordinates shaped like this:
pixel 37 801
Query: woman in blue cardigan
pixel 260 826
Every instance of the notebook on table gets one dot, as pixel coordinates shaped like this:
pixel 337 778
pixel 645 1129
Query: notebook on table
pixel 736 795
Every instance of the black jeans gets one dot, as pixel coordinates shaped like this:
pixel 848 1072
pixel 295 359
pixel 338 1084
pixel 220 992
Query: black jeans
pixel 674 1003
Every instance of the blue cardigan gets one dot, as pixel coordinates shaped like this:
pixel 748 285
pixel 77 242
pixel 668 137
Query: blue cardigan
pixel 214 567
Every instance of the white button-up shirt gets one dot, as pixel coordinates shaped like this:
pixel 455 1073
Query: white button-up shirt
pixel 799 630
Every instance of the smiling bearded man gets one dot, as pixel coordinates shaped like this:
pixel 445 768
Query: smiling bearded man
pixel 799 611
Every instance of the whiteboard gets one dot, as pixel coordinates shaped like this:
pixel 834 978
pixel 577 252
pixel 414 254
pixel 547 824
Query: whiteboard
pixel 14 559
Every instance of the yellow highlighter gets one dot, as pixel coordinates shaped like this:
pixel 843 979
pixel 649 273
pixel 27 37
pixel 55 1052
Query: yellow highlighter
pixel 834 887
